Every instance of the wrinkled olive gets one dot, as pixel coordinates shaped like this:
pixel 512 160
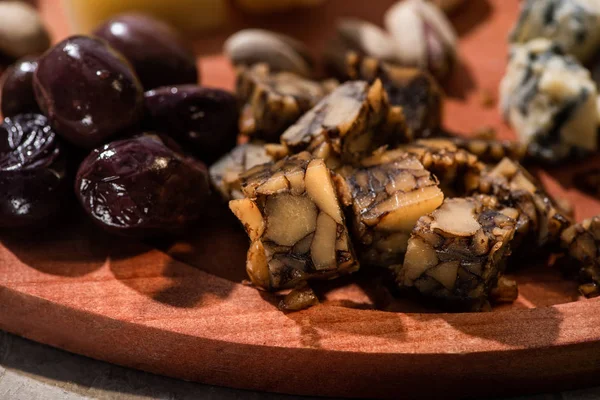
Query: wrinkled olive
pixel 158 53
pixel 140 187
pixel 17 88
pixel 203 120
pixel 88 90
pixel 32 171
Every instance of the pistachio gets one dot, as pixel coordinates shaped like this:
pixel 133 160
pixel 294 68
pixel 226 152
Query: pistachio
pixel 21 30
pixel 367 38
pixel 280 52
pixel 424 37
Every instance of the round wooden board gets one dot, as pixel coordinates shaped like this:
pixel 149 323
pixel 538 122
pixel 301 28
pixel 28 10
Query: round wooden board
pixel 179 309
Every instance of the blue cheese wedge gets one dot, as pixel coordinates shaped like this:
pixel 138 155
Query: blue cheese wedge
pixel 574 25
pixel 550 101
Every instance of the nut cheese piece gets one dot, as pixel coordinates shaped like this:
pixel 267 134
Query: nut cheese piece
pixel 457 170
pixel 457 253
pixel 351 122
pixel 415 90
pixel 295 223
pixel 581 241
pixel 491 150
pixel 225 173
pixel 550 101
pixel 273 101
pixel 574 25
pixel 386 202
pixel 541 221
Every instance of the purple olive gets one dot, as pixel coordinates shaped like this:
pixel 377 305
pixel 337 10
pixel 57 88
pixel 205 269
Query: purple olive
pixel 32 171
pixel 17 88
pixel 203 120
pixel 88 91
pixel 140 187
pixel 158 53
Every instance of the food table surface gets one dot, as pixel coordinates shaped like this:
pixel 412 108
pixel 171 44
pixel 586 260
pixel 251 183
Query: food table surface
pixel 465 92
pixel 32 371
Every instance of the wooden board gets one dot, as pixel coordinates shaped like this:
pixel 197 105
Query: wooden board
pixel 179 309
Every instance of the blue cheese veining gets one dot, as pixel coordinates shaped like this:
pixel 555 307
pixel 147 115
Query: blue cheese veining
pixel 550 100
pixel 574 25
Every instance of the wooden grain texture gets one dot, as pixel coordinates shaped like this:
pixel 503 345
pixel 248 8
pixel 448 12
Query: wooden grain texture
pixel 179 309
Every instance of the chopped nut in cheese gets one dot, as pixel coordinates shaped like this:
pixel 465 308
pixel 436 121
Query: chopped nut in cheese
pixel 415 90
pixel 491 150
pixel 355 119
pixel 582 242
pixel 541 221
pixel 457 170
pixel 294 219
pixel 457 253
pixel 224 174
pixel 387 200
pixel 275 100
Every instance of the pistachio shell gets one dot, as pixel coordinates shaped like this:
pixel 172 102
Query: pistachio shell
pixel 368 38
pixel 424 36
pixel 280 52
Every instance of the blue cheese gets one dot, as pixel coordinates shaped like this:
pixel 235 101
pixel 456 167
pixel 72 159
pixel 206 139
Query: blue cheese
pixel 574 25
pixel 550 101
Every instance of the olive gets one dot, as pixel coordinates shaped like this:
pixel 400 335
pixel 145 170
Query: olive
pixel 32 171
pixel 141 187
pixel 158 53
pixel 203 120
pixel 88 91
pixel 17 88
